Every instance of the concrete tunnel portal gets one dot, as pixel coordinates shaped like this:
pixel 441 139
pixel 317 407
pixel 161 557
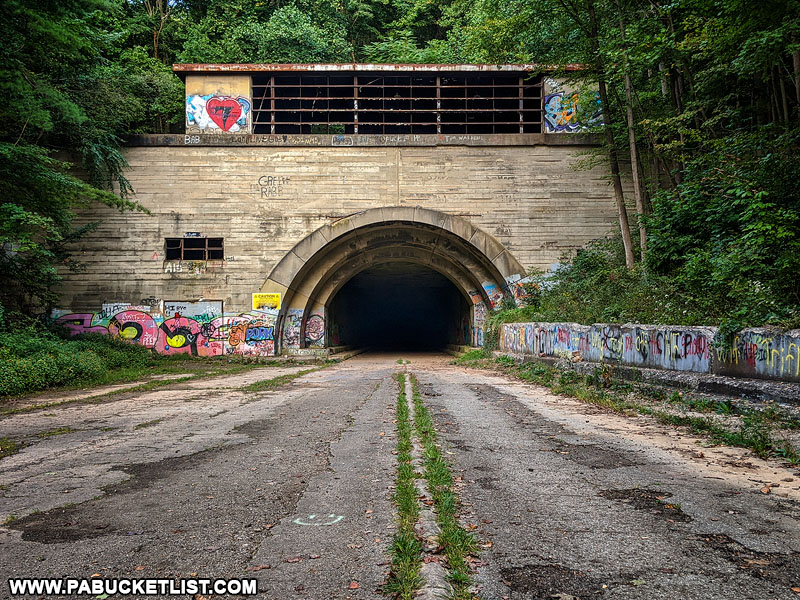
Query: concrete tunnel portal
pixel 391 277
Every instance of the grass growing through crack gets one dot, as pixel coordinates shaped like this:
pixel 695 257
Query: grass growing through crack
pixel 276 382
pixel 219 370
pixel 8 447
pixel 406 548
pixel 456 542
pixel 152 423
pixel 56 431
pixel 754 428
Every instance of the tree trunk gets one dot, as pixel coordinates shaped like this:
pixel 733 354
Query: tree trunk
pixel 616 180
pixel 624 226
pixel 796 61
pixel 634 150
pixel 784 99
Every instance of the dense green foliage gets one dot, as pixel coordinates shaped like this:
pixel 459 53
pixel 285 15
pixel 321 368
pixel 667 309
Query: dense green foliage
pixel 595 287
pixel 703 94
pixel 34 359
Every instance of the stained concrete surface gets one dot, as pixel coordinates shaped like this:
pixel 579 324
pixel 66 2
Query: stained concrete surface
pixel 566 500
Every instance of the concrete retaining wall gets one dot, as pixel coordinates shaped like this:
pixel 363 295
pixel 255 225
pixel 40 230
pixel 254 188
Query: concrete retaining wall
pixel 759 353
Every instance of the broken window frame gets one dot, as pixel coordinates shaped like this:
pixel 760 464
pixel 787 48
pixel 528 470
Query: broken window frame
pixel 198 248
pixel 397 103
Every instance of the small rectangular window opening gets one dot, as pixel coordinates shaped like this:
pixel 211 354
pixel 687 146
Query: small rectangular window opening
pixel 194 248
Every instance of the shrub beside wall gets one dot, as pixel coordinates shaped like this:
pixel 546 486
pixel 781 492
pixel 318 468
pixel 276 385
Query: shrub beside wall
pixel 36 359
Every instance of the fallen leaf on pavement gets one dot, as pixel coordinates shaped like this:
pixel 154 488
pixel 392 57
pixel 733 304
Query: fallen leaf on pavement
pixel 139 568
pixel 295 559
pixel 766 489
pixel 314 556
pixel 353 585
pixel 258 567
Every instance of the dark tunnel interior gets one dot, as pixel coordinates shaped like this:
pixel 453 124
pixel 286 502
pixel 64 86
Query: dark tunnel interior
pixel 398 305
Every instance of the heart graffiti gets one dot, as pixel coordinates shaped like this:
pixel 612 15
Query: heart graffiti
pixel 224 111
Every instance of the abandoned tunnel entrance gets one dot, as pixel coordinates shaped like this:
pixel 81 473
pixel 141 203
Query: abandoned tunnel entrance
pixel 388 277
pixel 399 305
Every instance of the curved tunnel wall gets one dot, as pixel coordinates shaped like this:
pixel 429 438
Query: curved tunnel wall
pixel 310 276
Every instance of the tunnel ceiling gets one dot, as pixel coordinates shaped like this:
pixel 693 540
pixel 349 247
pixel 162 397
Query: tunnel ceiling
pixel 400 274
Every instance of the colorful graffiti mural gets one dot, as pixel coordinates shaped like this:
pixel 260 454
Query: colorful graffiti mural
pixel 291 328
pixel 479 312
pixel 682 349
pixel 226 113
pixel 564 112
pixel 196 328
pixel 315 331
pixel 761 353
pixel 757 353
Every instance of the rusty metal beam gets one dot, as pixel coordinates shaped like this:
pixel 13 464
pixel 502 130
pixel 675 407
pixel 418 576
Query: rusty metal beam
pixel 351 67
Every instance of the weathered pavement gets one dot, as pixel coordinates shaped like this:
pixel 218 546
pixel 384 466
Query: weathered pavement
pixel 203 478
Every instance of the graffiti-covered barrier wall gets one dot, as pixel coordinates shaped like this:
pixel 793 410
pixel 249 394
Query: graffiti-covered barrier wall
pixel 199 328
pixel 759 353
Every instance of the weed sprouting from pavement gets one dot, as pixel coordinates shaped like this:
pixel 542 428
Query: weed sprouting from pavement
pixel 152 423
pixel 8 447
pixel 406 549
pixel 276 382
pixel 56 431
pixel 456 542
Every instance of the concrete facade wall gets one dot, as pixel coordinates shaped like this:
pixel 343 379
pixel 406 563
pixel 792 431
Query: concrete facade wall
pixel 265 199
pixel 757 353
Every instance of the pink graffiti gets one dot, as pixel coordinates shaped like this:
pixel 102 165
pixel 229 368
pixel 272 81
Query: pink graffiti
pixel 181 335
pixel 134 326
pixel 79 323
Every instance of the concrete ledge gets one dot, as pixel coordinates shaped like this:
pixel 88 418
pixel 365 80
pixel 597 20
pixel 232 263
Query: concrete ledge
pixel 750 389
pixel 365 140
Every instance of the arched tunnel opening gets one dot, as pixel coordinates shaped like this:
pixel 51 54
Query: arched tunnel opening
pixel 399 306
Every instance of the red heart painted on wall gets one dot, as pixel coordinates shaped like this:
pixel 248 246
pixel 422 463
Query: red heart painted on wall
pixel 224 112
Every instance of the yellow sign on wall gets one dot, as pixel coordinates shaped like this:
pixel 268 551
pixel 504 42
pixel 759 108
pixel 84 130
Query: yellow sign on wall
pixel 262 301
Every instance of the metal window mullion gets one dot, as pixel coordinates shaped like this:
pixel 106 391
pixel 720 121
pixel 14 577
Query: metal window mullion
pixel 355 103
pixel 438 104
pixel 521 96
pixel 272 104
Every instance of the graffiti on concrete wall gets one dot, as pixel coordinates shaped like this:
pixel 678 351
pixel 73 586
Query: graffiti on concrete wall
pixel 564 113
pixel 197 328
pixel 212 113
pixel 315 331
pixel 761 353
pixel 250 334
pixel 478 323
pixel 494 293
pixel 680 348
pixel 522 290
pixel 291 328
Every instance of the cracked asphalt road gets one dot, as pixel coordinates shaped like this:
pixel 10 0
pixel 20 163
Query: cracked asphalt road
pixel 294 487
